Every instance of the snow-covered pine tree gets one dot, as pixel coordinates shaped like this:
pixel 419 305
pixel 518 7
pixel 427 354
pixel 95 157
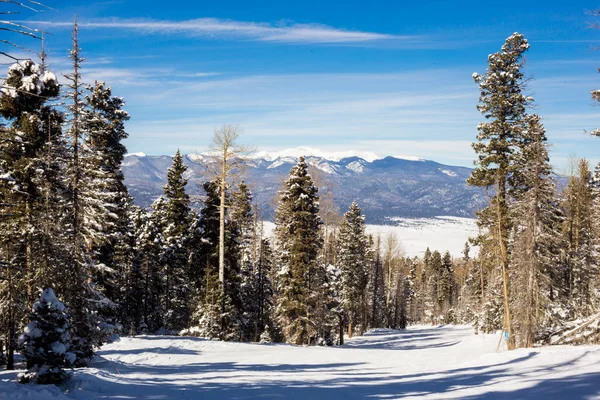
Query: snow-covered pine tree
pixel 353 264
pixel 301 277
pixel 445 289
pixel 398 309
pixel 30 190
pixel 146 261
pixel 209 300
pixel 45 343
pixel 81 293
pixel 503 104
pixel 433 271
pixel 410 291
pixel 582 261
pixel 378 306
pixel 261 293
pixel 242 217
pixel 103 196
pixel 175 220
pixel 535 244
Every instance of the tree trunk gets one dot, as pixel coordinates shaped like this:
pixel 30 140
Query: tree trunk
pixel 350 327
pixel 501 209
pixel 341 321
pixel 222 236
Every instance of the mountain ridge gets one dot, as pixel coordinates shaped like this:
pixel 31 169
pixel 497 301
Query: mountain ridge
pixel 385 187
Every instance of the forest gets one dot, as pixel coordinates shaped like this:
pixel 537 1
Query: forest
pixel 80 264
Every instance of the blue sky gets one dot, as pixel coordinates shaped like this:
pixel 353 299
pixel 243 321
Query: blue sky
pixel 390 77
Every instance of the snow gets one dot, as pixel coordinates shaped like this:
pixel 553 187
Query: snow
pixel 32 330
pixel 416 234
pixel 310 151
pixel 355 166
pixel 138 154
pixel 49 297
pixel 58 348
pixel 448 172
pixel 409 158
pixel 195 157
pixel 440 233
pixel 422 362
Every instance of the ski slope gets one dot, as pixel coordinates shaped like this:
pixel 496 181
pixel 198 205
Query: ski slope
pixel 423 362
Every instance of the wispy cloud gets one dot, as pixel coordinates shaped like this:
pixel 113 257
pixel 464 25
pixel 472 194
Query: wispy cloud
pixel 228 29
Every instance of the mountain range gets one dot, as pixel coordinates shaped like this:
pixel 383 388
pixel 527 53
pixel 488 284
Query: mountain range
pixel 386 188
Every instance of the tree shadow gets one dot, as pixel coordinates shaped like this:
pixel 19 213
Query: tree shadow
pixel 390 339
pixel 230 380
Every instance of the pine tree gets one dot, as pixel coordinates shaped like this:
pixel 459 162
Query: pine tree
pixel 175 219
pixel 581 260
pixel 89 327
pixel 378 310
pixel 301 277
pixel 263 288
pixel 503 104
pixel 146 261
pixel 445 289
pixel 103 192
pixel 353 264
pixel 30 190
pixel 46 342
pixel 535 243
pixel 242 218
pixel 104 200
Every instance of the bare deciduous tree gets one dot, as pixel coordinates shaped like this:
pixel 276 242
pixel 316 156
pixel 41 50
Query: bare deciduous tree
pixel 225 162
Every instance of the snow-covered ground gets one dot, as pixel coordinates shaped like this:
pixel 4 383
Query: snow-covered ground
pixel 416 234
pixel 422 362
pixel 439 233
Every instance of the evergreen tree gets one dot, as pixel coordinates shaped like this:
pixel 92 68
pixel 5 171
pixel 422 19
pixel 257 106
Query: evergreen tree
pixel 301 277
pixel 581 261
pixel 410 292
pixel 378 311
pixel 352 262
pixel 537 232
pixel 445 289
pixel 46 341
pixel 146 261
pixel 175 219
pixel 503 104
pixel 31 195
pixel 103 194
pixel 85 300
pixel 264 290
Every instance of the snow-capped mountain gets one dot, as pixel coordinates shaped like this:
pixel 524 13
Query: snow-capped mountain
pixel 385 187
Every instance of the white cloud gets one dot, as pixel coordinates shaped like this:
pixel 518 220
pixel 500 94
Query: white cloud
pixel 219 28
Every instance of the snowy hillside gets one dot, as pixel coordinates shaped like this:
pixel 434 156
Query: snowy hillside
pixel 422 362
pixel 388 187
